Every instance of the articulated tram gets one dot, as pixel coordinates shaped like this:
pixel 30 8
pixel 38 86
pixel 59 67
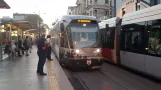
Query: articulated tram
pixel 134 41
pixel 76 41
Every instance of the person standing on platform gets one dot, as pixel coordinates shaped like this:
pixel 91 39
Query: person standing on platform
pixel 30 45
pixel 20 48
pixel 42 51
pixel 49 48
pixel 26 45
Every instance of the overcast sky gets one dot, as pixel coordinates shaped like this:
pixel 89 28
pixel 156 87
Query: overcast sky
pixel 49 9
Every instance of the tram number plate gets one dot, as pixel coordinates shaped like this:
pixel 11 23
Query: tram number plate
pixel 89 62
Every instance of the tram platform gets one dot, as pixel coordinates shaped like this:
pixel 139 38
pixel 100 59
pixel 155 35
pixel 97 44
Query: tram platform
pixel 20 74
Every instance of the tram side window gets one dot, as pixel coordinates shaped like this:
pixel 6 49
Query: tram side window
pixel 65 40
pixel 104 38
pixel 103 34
pixel 107 37
pixel 62 39
pixel 110 38
pixel 70 38
pixel 132 37
pixel 133 41
pixel 154 31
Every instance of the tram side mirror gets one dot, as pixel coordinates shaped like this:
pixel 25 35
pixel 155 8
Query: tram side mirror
pixel 107 26
pixel 61 26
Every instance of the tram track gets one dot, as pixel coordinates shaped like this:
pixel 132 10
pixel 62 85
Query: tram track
pixel 86 86
pixel 114 80
pixel 111 78
pixel 72 77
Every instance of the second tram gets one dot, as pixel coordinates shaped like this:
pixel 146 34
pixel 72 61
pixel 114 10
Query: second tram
pixel 76 41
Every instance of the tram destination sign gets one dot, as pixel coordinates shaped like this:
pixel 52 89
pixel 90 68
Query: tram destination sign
pixel 84 21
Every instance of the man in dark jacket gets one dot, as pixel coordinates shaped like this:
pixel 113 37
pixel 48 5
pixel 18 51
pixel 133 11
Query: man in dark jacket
pixel 41 45
pixel 26 45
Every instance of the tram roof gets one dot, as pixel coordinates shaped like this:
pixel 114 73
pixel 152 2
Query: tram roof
pixel 111 22
pixel 68 18
pixel 147 14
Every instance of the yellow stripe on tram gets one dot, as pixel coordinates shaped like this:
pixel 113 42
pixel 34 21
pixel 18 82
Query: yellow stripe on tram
pixel 53 83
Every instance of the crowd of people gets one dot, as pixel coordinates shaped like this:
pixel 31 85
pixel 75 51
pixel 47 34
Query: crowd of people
pixel 22 47
pixel 19 47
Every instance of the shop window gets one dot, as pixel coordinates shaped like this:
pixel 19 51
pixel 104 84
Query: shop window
pixel 91 13
pixel 106 13
pixel 154 33
pixel 95 11
pixel 137 7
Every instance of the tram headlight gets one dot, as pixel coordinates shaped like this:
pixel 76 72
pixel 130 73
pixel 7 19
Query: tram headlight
pixel 98 50
pixel 77 50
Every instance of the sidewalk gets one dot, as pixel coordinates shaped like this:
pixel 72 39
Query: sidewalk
pixel 20 74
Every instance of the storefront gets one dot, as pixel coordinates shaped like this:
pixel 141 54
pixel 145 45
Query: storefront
pixel 8 32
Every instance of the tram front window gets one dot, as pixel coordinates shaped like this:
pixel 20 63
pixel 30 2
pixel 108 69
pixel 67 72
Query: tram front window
pixel 85 37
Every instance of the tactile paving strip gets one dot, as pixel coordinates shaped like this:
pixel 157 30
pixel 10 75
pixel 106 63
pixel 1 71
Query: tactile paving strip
pixel 53 83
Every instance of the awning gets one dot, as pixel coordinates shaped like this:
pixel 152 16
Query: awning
pixel 23 25
pixel 32 31
pixel 3 4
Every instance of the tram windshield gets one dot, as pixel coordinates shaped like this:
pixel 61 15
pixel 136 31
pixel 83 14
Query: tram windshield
pixel 85 35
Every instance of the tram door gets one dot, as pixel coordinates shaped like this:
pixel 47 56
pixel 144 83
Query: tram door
pixel 106 52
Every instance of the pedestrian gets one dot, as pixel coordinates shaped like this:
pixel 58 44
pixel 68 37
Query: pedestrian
pixel 26 45
pixel 49 48
pixel 30 45
pixel 20 48
pixel 41 44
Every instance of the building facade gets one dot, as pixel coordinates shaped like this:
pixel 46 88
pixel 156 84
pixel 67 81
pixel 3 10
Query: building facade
pixel 128 6
pixel 71 10
pixel 101 9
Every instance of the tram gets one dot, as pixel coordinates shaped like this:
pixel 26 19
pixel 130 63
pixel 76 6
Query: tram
pixel 137 41
pixel 109 32
pixel 76 41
